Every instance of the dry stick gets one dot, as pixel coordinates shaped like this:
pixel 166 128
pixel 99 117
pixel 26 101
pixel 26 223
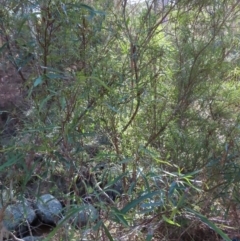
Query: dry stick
pixel 96 185
pixel 2 227
pixel 14 237
pixel 154 28
pixel 4 230
pixel 134 67
pixel 92 103
pixel 4 233
pixel 29 229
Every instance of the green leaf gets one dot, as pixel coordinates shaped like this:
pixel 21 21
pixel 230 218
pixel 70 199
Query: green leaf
pixel 3 47
pixel 63 102
pixel 82 78
pixel 119 216
pixel 172 188
pixel 135 202
pixel 101 82
pixel 54 76
pixel 112 108
pixel 21 23
pixel 38 81
pixel 115 180
pixel 153 155
pixel 44 102
pixel 145 179
pixel 149 237
pixel 174 212
pixel 148 207
pixel 210 224
pixel 170 221
pixel 107 232
pixel 9 163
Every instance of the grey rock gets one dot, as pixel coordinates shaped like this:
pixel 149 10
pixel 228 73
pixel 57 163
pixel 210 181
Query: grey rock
pixel 103 139
pixel 48 209
pixel 18 214
pixel 110 174
pixel 115 190
pixel 33 238
pixel 86 214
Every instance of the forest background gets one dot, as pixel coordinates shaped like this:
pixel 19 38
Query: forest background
pixel 148 87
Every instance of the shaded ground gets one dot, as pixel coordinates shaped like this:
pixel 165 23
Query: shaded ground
pixel 12 101
pixel 10 88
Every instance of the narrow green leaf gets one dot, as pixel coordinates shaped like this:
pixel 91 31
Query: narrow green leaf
pixel 181 201
pixel 118 216
pixel 115 180
pixel 153 155
pixel 44 102
pixel 190 174
pixel 170 221
pixel 30 91
pixel 151 206
pixel 98 225
pixel 126 160
pixel 205 220
pixel 63 102
pixel 174 212
pixel 112 108
pixel 9 163
pixel 161 161
pixel 149 237
pixel 38 81
pixel 172 188
pixel 135 202
pixel 54 76
pixel 107 232
pixel 101 82
pixel 145 179
pixel 3 47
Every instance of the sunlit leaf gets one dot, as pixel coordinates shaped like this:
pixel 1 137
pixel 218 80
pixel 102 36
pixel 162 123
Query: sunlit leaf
pixel 170 221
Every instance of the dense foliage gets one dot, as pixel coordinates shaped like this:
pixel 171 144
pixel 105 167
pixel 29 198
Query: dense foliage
pixel 150 89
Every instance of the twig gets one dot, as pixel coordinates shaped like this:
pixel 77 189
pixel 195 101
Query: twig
pixel 96 185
